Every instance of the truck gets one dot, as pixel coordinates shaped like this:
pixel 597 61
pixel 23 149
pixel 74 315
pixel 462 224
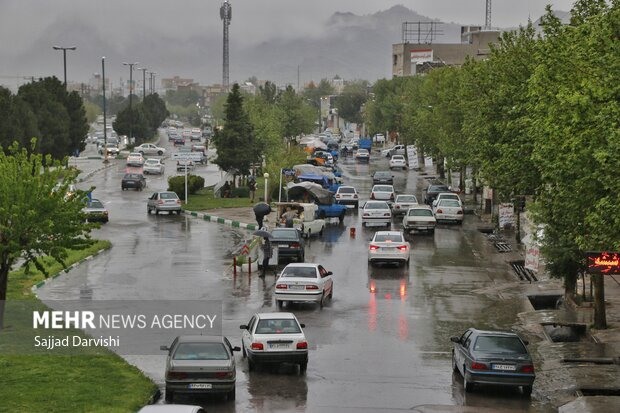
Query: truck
pixel 333 210
pixel 365 143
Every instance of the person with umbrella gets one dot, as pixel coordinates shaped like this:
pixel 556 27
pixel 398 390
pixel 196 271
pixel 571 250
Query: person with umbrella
pixel 261 210
pixel 267 252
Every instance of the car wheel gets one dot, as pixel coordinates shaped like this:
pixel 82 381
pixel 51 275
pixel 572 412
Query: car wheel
pixel 454 366
pixel 279 303
pixel 301 258
pixel 331 293
pixel 251 365
pixel 341 217
pixel 142 153
pixel 407 263
pixel 469 386
pixel 231 395
pixel 309 233
pixel 303 367
pixel 148 211
pixel 243 352
pixel 156 211
pixel 527 390
pixel 322 301
pixel 169 396
pixel 321 232
pixel 160 153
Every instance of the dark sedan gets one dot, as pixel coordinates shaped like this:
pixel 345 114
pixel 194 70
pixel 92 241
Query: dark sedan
pixel 199 365
pixel 383 177
pixel 289 242
pixel 434 189
pixel 494 358
pixel 133 180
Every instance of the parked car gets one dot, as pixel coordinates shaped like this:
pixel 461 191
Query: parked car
pixel 289 242
pixel 95 211
pixel 149 149
pixel 184 165
pixel 274 338
pixel 389 246
pixel 376 212
pixel 448 210
pixel 402 203
pixel 394 150
pixel 133 180
pixel 347 195
pixel 419 218
pixel 163 201
pixel 447 195
pixel 382 193
pixel 432 190
pixel 200 365
pixel 362 155
pixel 493 357
pixel 398 161
pixel 153 166
pixel 135 159
pixel 304 282
pixel 383 177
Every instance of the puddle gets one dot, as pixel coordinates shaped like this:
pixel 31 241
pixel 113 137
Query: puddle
pixel 559 333
pixel 544 301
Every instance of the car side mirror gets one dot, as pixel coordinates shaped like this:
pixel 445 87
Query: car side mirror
pixel 302 325
pixel 455 339
pixel 236 348
pixel 243 327
pixel 164 348
pixel 330 273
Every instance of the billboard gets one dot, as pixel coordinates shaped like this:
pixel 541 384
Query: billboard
pixel 603 262
pixel 421 56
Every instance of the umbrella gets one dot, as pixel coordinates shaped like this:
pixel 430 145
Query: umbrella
pixel 262 233
pixel 262 209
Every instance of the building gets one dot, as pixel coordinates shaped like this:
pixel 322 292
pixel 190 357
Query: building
pixel 415 58
pixel 176 83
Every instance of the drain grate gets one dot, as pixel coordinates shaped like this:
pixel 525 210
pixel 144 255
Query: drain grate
pixel 523 273
pixel 503 247
pixel 496 237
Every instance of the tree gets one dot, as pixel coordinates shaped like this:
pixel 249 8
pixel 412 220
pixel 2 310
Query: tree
pixel 298 116
pixel 182 97
pixel 351 100
pixel 236 144
pixel 36 217
pixel 315 92
pixel 155 110
pixel 135 120
pixel 269 92
pixel 18 122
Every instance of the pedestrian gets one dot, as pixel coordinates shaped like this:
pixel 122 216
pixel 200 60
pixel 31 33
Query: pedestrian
pixel 252 188
pixel 260 211
pixel 267 254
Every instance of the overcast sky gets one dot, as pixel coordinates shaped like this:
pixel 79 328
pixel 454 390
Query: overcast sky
pixel 26 24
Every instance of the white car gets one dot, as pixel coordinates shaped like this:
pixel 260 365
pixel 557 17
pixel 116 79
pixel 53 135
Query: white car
pixel 398 161
pixel 362 155
pixel 403 203
pixel 389 246
pixel 153 166
pixel 274 338
pixel 382 193
pixel 448 210
pixel 419 218
pixel 394 150
pixel 447 195
pixel 184 165
pixel 376 213
pixel 347 195
pixel 304 282
pixel 149 149
pixel 135 159
pixel 379 138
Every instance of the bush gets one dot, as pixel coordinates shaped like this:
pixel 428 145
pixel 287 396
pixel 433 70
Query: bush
pixel 242 192
pixel 177 184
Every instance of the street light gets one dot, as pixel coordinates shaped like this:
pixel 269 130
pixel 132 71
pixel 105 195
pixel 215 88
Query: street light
pixel 131 65
pixel 144 69
pixel 105 129
pixel 64 58
pixel 266 176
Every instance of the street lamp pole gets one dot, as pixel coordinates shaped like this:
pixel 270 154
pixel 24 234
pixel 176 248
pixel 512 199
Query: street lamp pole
pixel 266 176
pixel 64 58
pixel 143 81
pixel 131 65
pixel 105 129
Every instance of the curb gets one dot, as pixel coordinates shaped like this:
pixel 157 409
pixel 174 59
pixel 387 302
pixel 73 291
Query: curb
pixel 91 173
pixel 219 220
pixel 40 284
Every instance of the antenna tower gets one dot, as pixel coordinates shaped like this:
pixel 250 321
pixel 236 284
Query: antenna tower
pixel 226 16
pixel 487 21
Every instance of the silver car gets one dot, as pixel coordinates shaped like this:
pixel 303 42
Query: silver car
pixel 200 365
pixel 164 201
pixel 402 204
pixel 376 213
pixel 153 166
pixel 389 246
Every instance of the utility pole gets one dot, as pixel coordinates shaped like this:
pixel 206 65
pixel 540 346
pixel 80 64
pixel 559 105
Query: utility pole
pixel 226 16
pixel 105 129
pixel 487 20
pixel 131 65
pixel 64 58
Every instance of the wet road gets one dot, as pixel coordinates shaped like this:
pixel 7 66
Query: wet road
pixel 381 344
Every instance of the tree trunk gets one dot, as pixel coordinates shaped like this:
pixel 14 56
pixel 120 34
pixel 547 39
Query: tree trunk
pixel 462 173
pixel 4 279
pixel 600 317
pixel 440 167
pixel 570 285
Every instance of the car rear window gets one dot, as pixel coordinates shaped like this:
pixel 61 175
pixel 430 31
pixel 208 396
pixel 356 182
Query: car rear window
pixel 388 237
pixel 277 326
pixel 168 195
pixel 382 188
pixel 200 351
pixel 420 213
pixel 95 204
pixel 438 188
pixel 383 174
pixel 132 176
pixel 499 344
pixel 406 198
pixel 302 272
pixel 344 190
pixel 449 203
pixel 376 205
pixel 284 234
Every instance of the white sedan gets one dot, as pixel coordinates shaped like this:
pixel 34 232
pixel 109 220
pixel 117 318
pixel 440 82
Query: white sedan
pixel 274 338
pixel 398 161
pixel 153 166
pixel 389 246
pixel 304 282
pixel 149 149
pixel 448 210
pixel 402 203
pixel 383 193
pixel 135 159
pixel 376 212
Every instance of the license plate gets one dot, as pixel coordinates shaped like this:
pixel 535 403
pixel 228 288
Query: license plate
pixel 283 245
pixel 297 287
pixel 504 367
pixel 278 345
pixel 199 385
pixel 387 248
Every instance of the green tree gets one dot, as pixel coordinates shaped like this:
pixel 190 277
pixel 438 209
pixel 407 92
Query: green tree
pixel 269 92
pixel 351 100
pixel 18 122
pixel 36 218
pixel 184 97
pixel 92 111
pixel 135 121
pixel 236 143
pixel 155 110
pixel 315 92
pixel 299 117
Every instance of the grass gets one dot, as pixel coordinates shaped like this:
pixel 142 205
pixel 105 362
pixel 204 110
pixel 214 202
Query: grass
pixel 91 380
pixel 205 200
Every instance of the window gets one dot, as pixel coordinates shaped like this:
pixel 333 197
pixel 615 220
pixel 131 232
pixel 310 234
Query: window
pixel 200 351
pixel 499 344
pixel 277 326
pixel 420 213
pixel 395 59
pixel 301 272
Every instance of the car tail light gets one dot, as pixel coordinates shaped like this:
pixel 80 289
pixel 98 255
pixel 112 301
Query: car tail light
pixel 478 366
pixel 528 368
pixel 460 212
pixel 179 201
pixel 224 375
pixel 355 196
pixel 176 375
pixel 374 247
pixel 439 211
pixel 366 214
pixel 282 286
pixel 295 245
pixel 159 202
pixel 402 247
pixel 257 346
pixel 372 195
pixel 397 207
pixel 312 287
pixel 392 197
pixel 387 214
pixel 302 345
pixel 337 195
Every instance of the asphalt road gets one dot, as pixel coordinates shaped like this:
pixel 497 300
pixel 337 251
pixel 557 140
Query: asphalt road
pixel 382 344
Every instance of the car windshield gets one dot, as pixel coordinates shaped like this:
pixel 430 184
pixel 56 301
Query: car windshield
pixel 449 203
pixel 406 198
pixel 283 234
pixel 132 176
pixel 499 344
pixel 200 351
pixel 168 195
pixel 277 326
pixel 382 188
pixel 135 154
pixel 420 212
pixel 376 205
pixel 388 238
pixel 438 188
pixel 301 272
pixel 398 157
pixel 95 203
pixel 448 196
pixel 383 175
pixel 346 190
